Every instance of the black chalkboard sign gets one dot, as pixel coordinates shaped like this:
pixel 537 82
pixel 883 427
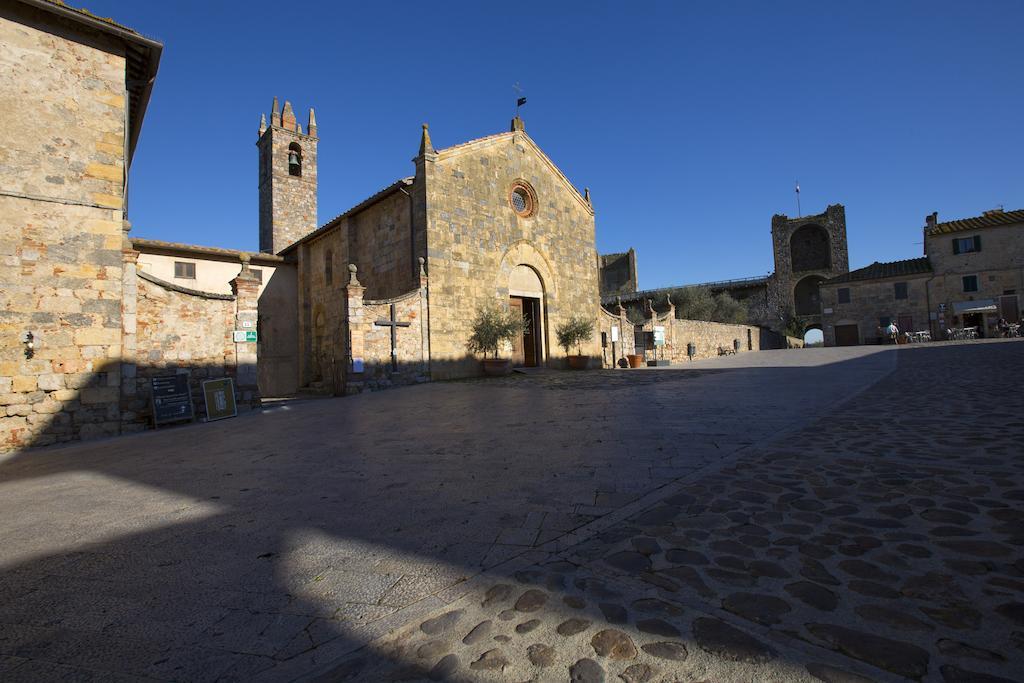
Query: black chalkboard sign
pixel 172 399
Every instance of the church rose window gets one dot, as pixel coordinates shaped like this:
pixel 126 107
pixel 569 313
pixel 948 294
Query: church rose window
pixel 523 199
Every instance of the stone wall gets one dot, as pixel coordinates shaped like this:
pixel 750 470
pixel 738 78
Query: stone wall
pixel 377 239
pixel 186 331
pixel 871 300
pixel 62 173
pixel 618 274
pixel 370 342
pixel 475 240
pixel 706 336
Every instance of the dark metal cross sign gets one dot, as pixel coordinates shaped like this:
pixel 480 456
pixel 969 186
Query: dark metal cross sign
pixel 394 325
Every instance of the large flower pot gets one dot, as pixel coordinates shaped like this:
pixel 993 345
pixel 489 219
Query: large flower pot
pixel 495 367
pixel 578 362
pixel 635 360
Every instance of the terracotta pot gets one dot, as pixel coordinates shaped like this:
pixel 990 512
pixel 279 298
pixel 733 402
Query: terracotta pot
pixel 578 362
pixel 495 367
pixel 635 360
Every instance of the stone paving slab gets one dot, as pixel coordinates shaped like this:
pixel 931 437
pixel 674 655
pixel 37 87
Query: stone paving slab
pixel 881 543
pixel 279 542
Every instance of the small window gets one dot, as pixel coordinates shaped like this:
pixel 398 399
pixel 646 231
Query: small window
pixel 844 295
pixel 900 290
pixel 295 160
pixel 328 266
pixel 185 270
pixel 258 274
pixel 970 283
pixel 966 245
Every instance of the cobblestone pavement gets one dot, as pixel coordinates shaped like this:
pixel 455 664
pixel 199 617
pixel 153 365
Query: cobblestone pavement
pixel 650 507
pixel 882 542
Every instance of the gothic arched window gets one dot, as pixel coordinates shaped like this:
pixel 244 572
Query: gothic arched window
pixel 295 159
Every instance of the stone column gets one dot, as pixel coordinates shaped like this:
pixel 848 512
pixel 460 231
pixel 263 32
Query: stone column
pixel 130 400
pixel 246 289
pixel 670 337
pixel 355 332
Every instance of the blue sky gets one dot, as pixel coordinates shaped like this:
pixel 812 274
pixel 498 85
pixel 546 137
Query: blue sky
pixel 688 121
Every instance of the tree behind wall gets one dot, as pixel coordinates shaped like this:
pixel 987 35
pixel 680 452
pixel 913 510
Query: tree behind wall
pixel 698 303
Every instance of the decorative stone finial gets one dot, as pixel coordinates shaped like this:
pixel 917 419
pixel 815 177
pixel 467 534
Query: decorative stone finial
pixel 288 116
pixel 426 146
pixel 311 126
pixel 275 114
pixel 352 279
pixel 245 258
pixel 586 194
pixel 423 270
pixel 263 124
pixel 518 125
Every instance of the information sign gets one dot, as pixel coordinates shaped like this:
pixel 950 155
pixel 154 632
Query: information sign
pixel 659 335
pixel 220 399
pixel 172 399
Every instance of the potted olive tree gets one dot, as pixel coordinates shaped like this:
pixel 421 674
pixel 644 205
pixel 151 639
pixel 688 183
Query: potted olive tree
pixel 573 332
pixel 491 328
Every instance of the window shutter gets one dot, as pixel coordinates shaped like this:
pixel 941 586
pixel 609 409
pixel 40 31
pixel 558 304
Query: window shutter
pixel 956 246
pixel 977 243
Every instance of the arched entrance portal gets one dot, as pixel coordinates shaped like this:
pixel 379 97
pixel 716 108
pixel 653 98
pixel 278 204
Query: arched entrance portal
pixel 806 296
pixel 809 249
pixel 526 297
pixel 813 336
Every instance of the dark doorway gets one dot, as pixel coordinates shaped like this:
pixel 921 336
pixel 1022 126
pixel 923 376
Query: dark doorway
pixel 846 335
pixel 975 320
pixel 526 350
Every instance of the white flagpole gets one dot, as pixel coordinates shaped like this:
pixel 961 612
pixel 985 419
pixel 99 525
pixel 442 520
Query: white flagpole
pixel 798 213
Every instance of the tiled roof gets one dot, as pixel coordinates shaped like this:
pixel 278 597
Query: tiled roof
pixel 880 271
pixel 989 219
pixel 160 246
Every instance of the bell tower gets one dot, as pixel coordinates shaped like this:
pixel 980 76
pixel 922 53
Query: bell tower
pixel 287 178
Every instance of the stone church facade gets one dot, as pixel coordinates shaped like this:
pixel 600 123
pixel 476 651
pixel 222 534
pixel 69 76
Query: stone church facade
pixel 490 222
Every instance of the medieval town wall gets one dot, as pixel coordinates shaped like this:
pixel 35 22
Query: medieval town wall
pixel 60 230
pixel 707 337
pixel 475 239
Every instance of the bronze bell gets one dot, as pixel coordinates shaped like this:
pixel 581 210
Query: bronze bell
pixel 293 158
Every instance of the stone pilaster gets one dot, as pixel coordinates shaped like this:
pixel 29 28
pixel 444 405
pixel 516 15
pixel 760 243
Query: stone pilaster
pixel 246 289
pixel 424 318
pixel 356 326
pixel 129 328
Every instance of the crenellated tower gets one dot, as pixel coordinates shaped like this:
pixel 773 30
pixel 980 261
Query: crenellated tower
pixel 287 178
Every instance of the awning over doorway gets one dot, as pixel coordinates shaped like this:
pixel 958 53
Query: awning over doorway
pixel 979 306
